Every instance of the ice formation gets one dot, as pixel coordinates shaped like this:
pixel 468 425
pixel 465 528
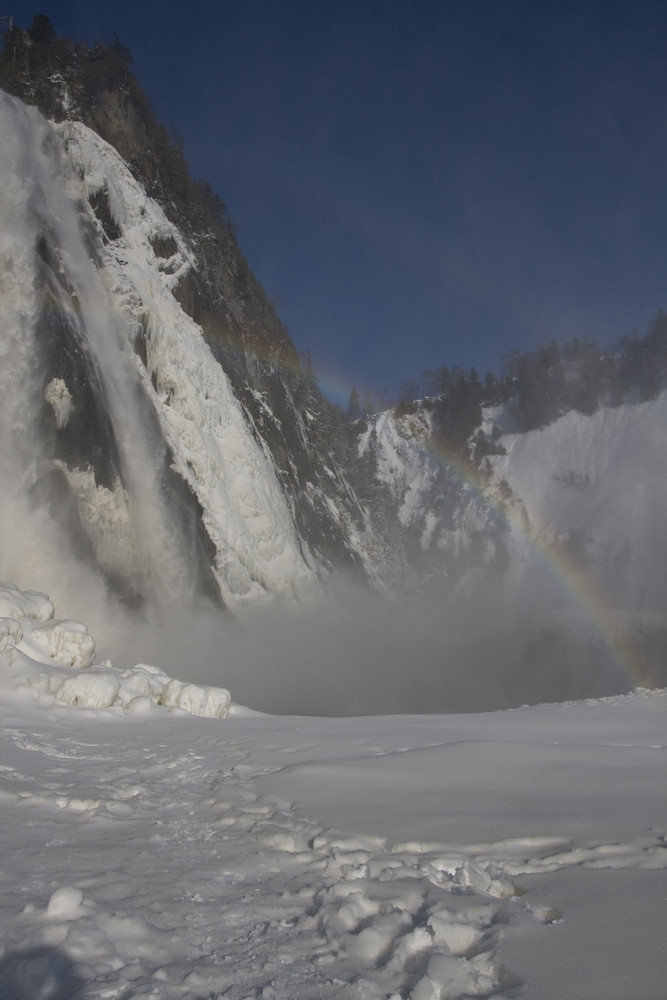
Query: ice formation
pixel 57 658
pixel 166 403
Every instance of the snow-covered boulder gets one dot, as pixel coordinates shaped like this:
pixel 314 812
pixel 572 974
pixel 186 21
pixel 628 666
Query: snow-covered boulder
pixel 68 642
pixel 95 688
pixel 195 699
pixel 15 603
pixel 57 659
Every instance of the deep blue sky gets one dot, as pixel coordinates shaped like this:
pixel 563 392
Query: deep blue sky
pixel 420 183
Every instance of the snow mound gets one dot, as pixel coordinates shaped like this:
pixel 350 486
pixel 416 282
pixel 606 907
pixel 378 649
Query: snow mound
pixel 67 642
pixel 65 903
pixel 94 689
pixel 209 701
pixel 15 603
pixel 57 658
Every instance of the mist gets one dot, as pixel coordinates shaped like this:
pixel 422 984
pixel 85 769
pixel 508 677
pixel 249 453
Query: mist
pixel 351 651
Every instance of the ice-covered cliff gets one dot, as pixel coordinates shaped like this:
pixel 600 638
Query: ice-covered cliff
pixel 119 426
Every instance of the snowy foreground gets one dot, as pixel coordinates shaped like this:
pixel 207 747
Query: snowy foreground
pixel 148 851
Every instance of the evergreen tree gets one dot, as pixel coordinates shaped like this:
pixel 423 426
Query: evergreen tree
pixel 367 403
pixel 353 406
pixel 408 391
pixel 41 30
pixel 430 383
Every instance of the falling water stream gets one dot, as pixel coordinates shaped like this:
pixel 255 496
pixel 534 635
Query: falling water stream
pixel 55 301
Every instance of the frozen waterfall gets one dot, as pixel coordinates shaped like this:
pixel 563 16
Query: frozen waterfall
pixel 124 455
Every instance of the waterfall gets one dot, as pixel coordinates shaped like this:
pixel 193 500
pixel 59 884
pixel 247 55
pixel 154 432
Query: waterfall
pixel 84 468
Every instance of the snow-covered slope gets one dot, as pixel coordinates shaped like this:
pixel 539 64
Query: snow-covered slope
pixel 440 506
pixel 595 484
pixel 592 485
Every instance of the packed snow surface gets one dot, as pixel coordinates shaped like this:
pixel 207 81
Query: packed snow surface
pixel 148 851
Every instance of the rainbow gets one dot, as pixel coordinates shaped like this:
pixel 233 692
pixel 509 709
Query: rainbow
pixel 333 384
pixel 562 566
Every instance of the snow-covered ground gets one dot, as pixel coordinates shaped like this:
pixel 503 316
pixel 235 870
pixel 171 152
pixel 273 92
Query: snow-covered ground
pixel 148 851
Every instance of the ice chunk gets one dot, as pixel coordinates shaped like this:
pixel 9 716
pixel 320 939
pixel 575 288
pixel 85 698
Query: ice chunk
pixel 92 689
pixel 11 633
pixel 67 642
pixel 65 903
pixel 15 603
pixel 142 703
pixel 196 699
